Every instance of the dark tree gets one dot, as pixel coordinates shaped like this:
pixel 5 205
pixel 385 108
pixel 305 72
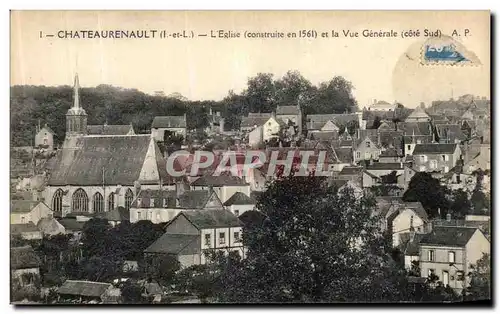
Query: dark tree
pixel 425 189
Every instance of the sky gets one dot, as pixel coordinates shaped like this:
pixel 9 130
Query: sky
pixel 205 68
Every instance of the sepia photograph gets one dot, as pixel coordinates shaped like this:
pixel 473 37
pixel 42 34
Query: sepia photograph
pixel 250 157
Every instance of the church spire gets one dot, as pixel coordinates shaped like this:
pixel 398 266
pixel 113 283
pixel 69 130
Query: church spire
pixel 76 93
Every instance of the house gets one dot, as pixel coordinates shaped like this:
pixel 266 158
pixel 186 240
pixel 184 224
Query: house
pixel 367 149
pixel 385 207
pixel 343 157
pixel 24 265
pixel 254 120
pixel 449 252
pixel 435 157
pixel 409 217
pixel 224 185
pixel 381 105
pixel 50 226
pixel 416 133
pixel 239 203
pixel 215 122
pixel 44 138
pixel 173 124
pixel 256 137
pixel 116 216
pixel 27 231
pixel 449 134
pixel 418 115
pixel 160 206
pixel 391 155
pixel 25 211
pixel 480 161
pixel 87 291
pixel 397 175
pixel 350 173
pixel 107 129
pixel 290 114
pixel 192 234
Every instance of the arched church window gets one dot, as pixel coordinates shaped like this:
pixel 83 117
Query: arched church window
pixel 80 201
pixel 111 201
pixel 98 203
pixel 129 197
pixel 57 201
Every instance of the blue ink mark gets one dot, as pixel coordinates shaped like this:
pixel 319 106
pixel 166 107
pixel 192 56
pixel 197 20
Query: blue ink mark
pixel 443 53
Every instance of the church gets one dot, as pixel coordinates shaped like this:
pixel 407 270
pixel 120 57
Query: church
pixel 95 173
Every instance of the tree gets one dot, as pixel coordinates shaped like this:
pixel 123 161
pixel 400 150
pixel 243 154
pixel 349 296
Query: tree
pixel 480 280
pixel 292 88
pixel 460 204
pixel 163 268
pixel 132 293
pixel 261 93
pixel 316 245
pixel 479 202
pixel 425 189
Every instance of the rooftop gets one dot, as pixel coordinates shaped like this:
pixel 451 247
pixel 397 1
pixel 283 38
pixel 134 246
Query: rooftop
pixel 169 122
pixel 449 236
pixel 434 149
pixel 83 288
pixel 212 218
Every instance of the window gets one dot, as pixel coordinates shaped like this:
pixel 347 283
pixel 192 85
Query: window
pixel 45 141
pixel 408 147
pixel 433 164
pixel 451 257
pixel 430 256
pixel 411 221
pixel 236 212
pixel 458 178
pixel 152 202
pixel 57 201
pixel 419 141
pixel 111 201
pixel 139 215
pixel 158 216
pixel 443 157
pixel 207 240
pixel 222 237
pixel 368 144
pixel 422 158
pixel 446 169
pixel 358 155
pixel 23 219
pixel 129 196
pixel 422 168
pixel 237 237
pixel 98 203
pixel 446 278
pixel 80 201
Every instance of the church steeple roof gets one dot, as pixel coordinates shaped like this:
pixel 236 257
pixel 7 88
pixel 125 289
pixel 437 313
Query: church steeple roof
pixel 76 109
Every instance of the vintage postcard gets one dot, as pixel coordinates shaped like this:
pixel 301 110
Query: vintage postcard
pixel 165 157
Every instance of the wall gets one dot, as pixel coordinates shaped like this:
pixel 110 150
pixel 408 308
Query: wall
pixel 402 224
pixel 44 138
pixel 39 211
pixel 441 263
pixel 365 152
pixel 270 128
pixel 255 137
pixel 187 260
pixel 155 214
pixel 434 162
pixel 240 208
pixel 478 244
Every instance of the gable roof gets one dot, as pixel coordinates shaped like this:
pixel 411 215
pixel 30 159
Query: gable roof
pixel 47 129
pixel 106 129
pixel 450 131
pixel 287 110
pixel 385 166
pixel 158 195
pixel 22 206
pixel 416 128
pixel 83 288
pixel 121 157
pixel 351 170
pixel 23 257
pixel 418 113
pixel 196 199
pixel 342 118
pixel 255 119
pixel 324 135
pixel 48 225
pixel 224 179
pixel 212 218
pixel 434 149
pixel 169 122
pixel 344 154
pixel 450 236
pixel 172 243
pixel 71 224
pixel 239 198
pixel 418 209
pixel 410 248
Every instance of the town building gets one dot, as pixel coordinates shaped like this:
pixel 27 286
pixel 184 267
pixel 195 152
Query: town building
pixel 381 105
pixel 192 235
pixel 44 138
pixel 239 203
pixel 449 252
pixel 173 124
pixel 87 292
pixel 25 211
pixel 367 149
pixel 435 157
pixel 107 129
pixel 418 115
pixel 24 266
pixel 290 114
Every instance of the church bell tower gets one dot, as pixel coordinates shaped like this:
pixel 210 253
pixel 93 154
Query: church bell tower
pixel 76 118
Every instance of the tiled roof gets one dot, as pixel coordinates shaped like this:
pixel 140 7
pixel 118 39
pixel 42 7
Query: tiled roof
pixel 83 288
pixel 169 122
pixel 71 224
pixel 391 138
pixel 195 199
pixel 121 157
pixel 451 132
pixel 48 225
pixel 212 218
pixel 418 113
pixel 385 166
pixel 434 149
pixel 390 152
pixel 224 179
pixel 22 206
pixel 21 228
pixel 172 243
pixel 324 136
pixel 255 119
pixel 450 236
pixel 158 196
pixel 342 118
pixel 418 209
pixel 117 214
pixel 23 257
pixel 344 154
pixel 410 248
pixel 106 129
pixel 417 128
pixel 287 110
pixel 239 198
pixel 351 170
